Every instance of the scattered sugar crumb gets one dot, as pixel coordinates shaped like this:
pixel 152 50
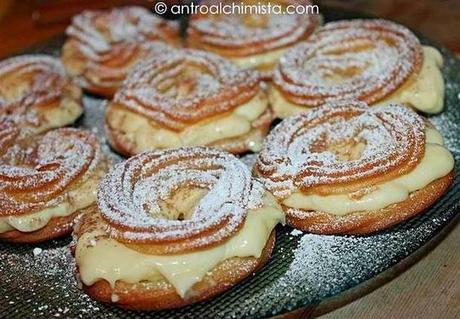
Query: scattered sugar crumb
pixel 296 232
pixel 114 298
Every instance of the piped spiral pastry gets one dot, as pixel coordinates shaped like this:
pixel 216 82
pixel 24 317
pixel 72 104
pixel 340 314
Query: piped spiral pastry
pixel 129 199
pixel 36 89
pixel 44 180
pixel 251 40
pixel 368 60
pixel 348 168
pixel 104 45
pixel 195 215
pixel 188 97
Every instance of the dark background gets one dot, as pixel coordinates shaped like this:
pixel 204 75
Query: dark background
pixel 25 22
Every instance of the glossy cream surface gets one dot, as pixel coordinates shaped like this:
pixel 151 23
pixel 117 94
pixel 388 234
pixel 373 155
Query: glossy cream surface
pixel 76 199
pixel 425 92
pixel 436 163
pixel 105 258
pixel 146 135
pixel 261 61
pixel 68 111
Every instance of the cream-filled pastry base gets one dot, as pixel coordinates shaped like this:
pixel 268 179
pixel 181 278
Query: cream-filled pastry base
pixel 436 163
pixel 64 114
pixel 144 135
pixel 78 66
pixel 76 199
pixel 252 141
pixel 282 107
pixel 425 92
pixel 264 61
pixel 101 258
pixel 261 61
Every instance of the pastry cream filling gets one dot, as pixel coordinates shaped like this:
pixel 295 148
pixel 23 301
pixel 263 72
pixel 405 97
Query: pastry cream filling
pixel 64 114
pixel 282 107
pixel 424 92
pixel 104 258
pixel 76 199
pixel 149 136
pixel 262 61
pixel 436 163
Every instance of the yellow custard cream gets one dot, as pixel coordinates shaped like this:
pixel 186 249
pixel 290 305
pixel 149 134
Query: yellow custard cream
pixel 146 135
pixel 282 107
pixel 104 258
pixel 436 163
pixel 76 199
pixel 65 114
pixel 261 61
pixel 424 92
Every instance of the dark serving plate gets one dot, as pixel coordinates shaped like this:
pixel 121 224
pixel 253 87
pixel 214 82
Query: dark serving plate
pixel 36 281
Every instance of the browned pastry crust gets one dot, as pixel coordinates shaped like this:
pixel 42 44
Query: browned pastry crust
pixel 188 89
pixel 40 172
pixel 301 155
pixel 99 54
pixel 193 227
pixel 251 40
pixel 322 52
pixel 162 295
pixel 35 90
pixel 56 227
pixel 362 223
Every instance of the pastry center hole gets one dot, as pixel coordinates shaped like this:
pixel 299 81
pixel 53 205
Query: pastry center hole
pixel 255 21
pixel 333 76
pixel 358 46
pixel 191 80
pixel 181 203
pixel 347 150
pixel 356 60
pixel 13 88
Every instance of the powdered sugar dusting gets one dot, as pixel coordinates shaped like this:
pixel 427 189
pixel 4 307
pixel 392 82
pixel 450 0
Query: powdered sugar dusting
pixel 28 81
pixel 36 169
pixel 111 42
pixel 245 34
pixel 97 31
pixel 297 152
pixel 54 264
pixel 44 286
pixel 363 59
pixel 328 264
pixel 186 86
pixel 130 195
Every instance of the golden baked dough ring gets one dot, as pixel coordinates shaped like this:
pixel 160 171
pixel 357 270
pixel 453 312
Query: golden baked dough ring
pixel 346 147
pixel 36 89
pixel 169 98
pixel 251 40
pixel 104 45
pixel 136 208
pixel 41 172
pixel 361 59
